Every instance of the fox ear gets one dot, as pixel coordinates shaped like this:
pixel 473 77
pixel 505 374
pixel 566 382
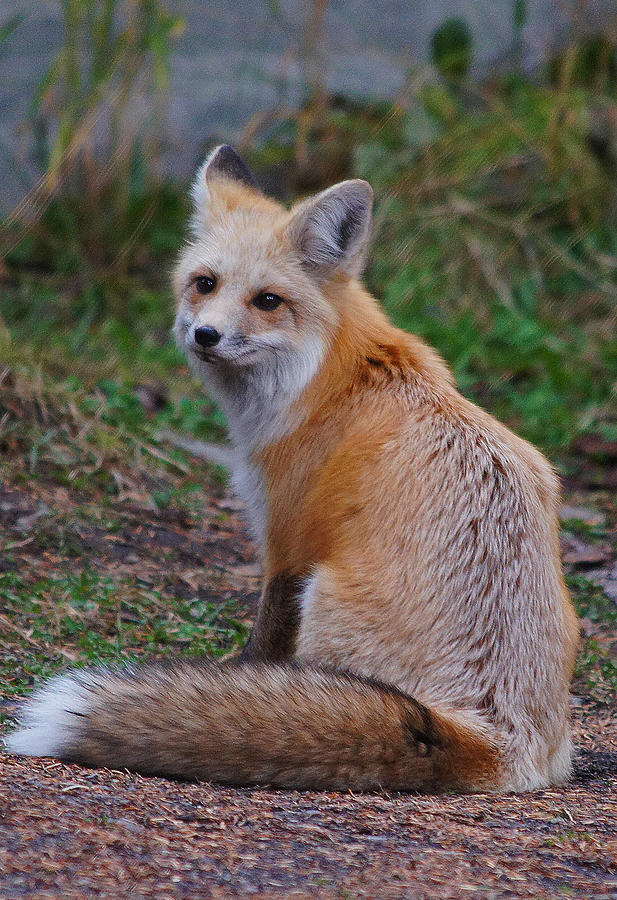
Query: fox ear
pixel 332 229
pixel 223 162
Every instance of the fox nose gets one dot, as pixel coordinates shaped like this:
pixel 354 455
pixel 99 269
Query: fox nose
pixel 206 336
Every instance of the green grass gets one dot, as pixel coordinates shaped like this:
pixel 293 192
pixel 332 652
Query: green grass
pixel 89 619
pixel 584 530
pixel 71 418
pixel 596 666
pixel 598 670
pixel 70 396
pixel 591 601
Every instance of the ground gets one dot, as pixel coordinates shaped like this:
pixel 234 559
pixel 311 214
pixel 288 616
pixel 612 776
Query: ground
pixel 127 577
pixel 70 832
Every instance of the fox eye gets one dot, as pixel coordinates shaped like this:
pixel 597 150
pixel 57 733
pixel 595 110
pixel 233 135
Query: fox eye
pixel 267 301
pixel 205 284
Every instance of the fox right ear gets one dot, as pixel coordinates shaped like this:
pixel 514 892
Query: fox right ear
pixel 332 230
pixel 223 162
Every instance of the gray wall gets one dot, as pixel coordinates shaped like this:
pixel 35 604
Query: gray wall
pixel 235 59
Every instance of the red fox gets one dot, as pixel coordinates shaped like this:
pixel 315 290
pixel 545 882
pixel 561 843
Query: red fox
pixel 414 630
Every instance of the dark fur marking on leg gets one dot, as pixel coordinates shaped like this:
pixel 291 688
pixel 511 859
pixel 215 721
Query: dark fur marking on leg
pixel 273 638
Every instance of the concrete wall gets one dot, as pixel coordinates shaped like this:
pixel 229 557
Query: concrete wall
pixel 235 58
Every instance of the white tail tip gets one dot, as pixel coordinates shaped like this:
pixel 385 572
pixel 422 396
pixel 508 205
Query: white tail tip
pixel 51 720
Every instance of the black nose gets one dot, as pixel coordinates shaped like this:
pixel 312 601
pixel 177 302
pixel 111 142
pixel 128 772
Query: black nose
pixel 206 336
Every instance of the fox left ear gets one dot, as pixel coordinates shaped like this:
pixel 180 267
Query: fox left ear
pixel 223 162
pixel 332 229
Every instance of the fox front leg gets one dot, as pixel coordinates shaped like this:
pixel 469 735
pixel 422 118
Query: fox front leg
pixel 273 638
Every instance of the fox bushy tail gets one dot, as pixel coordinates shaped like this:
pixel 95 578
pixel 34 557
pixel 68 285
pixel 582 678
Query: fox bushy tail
pixel 285 726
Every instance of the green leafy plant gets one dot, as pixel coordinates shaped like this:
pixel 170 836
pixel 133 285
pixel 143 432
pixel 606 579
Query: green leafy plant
pixel 451 49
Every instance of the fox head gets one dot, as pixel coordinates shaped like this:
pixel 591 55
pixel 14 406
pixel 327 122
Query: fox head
pixel 255 283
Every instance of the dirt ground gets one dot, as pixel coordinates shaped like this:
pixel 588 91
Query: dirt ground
pixel 70 832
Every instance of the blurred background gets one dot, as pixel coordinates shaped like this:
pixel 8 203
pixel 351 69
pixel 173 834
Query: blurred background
pixel 488 129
